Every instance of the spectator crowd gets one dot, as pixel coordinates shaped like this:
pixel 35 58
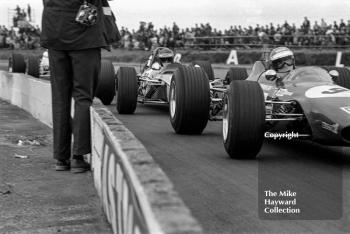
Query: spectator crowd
pixel 318 34
pixel 22 35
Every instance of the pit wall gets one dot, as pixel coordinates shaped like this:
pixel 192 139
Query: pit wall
pixel 141 196
pixel 136 195
pixel 28 93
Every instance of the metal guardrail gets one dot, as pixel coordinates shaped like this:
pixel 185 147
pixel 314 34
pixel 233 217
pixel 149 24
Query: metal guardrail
pixel 245 41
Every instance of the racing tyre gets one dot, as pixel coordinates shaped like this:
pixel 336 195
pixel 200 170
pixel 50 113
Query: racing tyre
pixel 344 76
pixel 17 63
pixel 106 85
pixel 243 119
pixel 206 65
pixel 236 73
pixel 189 100
pixel 127 90
pixel 173 66
pixel 33 66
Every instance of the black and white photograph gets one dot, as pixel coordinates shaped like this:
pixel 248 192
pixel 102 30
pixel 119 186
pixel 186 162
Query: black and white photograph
pixel 174 117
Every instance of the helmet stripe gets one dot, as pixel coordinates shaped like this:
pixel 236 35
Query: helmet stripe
pixel 281 54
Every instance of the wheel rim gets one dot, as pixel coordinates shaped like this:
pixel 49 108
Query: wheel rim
pixel 172 100
pixel 225 119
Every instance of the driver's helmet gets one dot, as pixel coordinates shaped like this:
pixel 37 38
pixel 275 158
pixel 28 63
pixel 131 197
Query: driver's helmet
pixel 45 54
pixel 282 59
pixel 165 56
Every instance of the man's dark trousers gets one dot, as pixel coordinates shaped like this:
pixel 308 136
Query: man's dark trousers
pixel 74 74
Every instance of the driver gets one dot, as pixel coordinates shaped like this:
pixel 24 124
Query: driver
pixel 282 61
pixel 164 57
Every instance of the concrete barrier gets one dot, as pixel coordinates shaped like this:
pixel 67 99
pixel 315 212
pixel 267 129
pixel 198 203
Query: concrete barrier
pixel 28 93
pixel 137 196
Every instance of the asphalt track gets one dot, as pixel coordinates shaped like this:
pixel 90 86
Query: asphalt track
pixel 223 193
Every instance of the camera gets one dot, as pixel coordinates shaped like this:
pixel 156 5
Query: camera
pixel 87 14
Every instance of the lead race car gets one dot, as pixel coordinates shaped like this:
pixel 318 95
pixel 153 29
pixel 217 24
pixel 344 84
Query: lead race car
pixel 308 102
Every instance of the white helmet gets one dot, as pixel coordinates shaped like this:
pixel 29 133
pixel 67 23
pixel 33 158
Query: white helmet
pixel 45 54
pixel 282 57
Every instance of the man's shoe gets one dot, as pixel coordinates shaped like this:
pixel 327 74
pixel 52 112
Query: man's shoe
pixel 62 165
pixel 79 166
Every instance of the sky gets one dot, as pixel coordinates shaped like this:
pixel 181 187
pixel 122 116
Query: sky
pixel 220 14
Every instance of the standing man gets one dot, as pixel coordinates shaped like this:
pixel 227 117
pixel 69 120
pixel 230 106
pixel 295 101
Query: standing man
pixel 29 11
pixel 306 25
pixel 72 31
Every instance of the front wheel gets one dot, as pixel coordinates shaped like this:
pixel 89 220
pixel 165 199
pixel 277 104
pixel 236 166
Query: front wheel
pixel 243 119
pixel 33 66
pixel 105 90
pixel 189 100
pixel 127 90
pixel 17 63
pixel 236 73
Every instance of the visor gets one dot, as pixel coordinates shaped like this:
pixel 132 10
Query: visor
pixel 280 63
pixel 166 60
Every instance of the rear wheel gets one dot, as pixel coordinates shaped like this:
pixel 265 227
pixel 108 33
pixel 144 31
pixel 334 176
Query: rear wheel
pixel 17 63
pixel 173 65
pixel 206 66
pixel 106 85
pixel 344 76
pixel 189 100
pixel 33 66
pixel 127 90
pixel 243 119
pixel 236 73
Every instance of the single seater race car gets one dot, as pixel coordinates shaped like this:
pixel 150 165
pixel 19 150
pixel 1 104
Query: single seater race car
pixel 39 67
pixel 312 102
pixel 36 66
pixel 152 86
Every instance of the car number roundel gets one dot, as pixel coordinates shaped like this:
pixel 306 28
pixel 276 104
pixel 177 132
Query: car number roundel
pixel 327 91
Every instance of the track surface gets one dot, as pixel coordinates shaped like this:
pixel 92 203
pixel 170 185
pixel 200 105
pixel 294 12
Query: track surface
pixel 223 193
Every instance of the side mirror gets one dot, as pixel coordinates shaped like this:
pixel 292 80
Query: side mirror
pixel 156 66
pixel 177 58
pixel 334 74
pixel 271 74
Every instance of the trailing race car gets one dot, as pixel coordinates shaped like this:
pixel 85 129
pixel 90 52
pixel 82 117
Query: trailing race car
pixel 156 84
pixel 307 102
pixel 39 67
pixel 36 66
